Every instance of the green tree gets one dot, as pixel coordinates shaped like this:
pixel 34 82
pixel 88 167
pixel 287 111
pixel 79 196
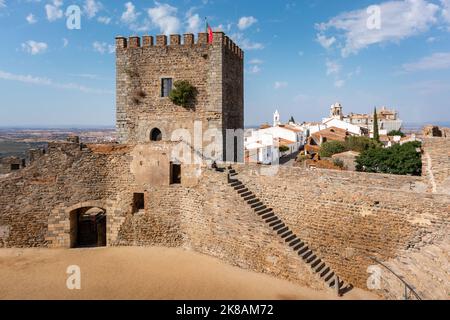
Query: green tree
pixel 360 144
pixel 183 94
pixel 376 132
pixel 398 159
pixel 396 133
pixel 284 148
pixel 331 147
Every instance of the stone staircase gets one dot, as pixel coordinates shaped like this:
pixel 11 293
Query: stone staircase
pixel 285 234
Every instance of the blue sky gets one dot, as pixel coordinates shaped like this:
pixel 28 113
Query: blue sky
pixel 301 56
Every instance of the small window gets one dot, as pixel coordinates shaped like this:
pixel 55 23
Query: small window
pixel 175 173
pixel 166 87
pixel 138 202
pixel 15 166
pixel 155 135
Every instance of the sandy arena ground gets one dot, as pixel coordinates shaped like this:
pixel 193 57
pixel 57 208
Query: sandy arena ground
pixel 141 273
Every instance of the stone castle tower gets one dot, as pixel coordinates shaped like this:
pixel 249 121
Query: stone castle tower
pixel 146 72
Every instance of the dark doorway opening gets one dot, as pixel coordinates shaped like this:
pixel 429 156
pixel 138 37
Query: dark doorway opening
pixel 88 228
pixel 175 173
pixel 155 135
pixel 15 166
pixel 138 202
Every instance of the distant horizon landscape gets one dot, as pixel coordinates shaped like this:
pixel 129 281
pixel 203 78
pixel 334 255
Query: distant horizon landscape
pixel 406 125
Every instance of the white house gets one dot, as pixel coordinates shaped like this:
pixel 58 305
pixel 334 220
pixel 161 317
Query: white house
pixel 337 123
pixel 262 145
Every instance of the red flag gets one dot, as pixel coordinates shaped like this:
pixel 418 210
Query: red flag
pixel 210 33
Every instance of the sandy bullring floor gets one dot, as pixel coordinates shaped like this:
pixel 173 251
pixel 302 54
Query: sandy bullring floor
pixel 140 273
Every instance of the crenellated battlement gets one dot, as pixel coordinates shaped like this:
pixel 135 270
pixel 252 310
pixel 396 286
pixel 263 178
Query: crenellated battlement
pixel 176 40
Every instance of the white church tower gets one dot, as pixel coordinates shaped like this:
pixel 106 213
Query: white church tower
pixel 336 111
pixel 276 119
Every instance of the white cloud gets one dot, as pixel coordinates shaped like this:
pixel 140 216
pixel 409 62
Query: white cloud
pixel 104 20
pixel 33 47
pixel 437 61
pixel 399 20
pixel 65 42
pixel 446 10
pixel 164 17
pixel 31 19
pixel 280 84
pixel 50 83
pixel 256 61
pixel 54 11
pixel 333 67
pixel 245 43
pixel 254 69
pixel 91 7
pixel 324 41
pixel 246 22
pixel 130 15
pixel 2 4
pixel 193 23
pixel 103 47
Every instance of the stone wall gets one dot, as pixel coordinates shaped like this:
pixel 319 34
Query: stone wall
pixel 348 217
pixel 436 164
pixel 344 216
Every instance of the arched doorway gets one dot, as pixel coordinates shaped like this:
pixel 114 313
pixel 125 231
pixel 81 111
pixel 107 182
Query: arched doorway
pixel 155 135
pixel 88 227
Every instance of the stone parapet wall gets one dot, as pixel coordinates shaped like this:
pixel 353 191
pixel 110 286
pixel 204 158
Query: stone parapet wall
pixel 436 164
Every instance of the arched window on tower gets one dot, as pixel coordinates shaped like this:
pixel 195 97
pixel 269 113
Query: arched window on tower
pixel 155 135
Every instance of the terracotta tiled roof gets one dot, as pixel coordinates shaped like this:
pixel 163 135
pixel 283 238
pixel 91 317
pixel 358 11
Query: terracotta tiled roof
pixel 332 133
pixel 284 142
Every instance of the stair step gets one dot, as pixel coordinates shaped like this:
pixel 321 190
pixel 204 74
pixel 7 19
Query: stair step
pixel 239 187
pixel 253 201
pixel 311 258
pixel 289 239
pixel 299 246
pixel 257 209
pixel 295 242
pixel 303 250
pixel 232 171
pixel 268 215
pixel 263 212
pixel 257 205
pixel 315 262
pixel 286 234
pixel 307 254
pixel 242 191
pixel 279 226
pixel 325 272
pixel 331 282
pixel 275 223
pixel 250 197
pixel 329 276
pixel 236 183
pixel 275 218
pixel 233 174
pixel 320 267
pixel 281 231
pixel 246 194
